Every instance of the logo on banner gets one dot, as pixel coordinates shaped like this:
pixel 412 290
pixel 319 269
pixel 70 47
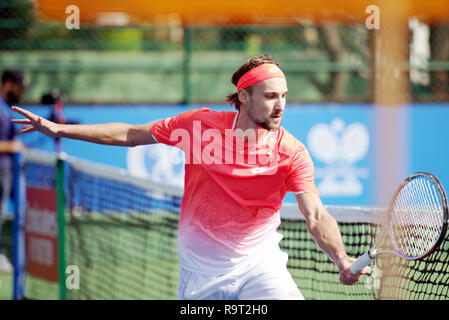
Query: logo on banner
pixel 340 147
pixel 158 162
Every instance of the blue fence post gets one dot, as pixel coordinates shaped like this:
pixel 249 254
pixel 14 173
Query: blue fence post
pixel 18 228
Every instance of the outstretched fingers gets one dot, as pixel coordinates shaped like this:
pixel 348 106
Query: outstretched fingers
pixel 21 121
pixel 31 117
pixel 27 129
pixel 33 122
pixel 24 112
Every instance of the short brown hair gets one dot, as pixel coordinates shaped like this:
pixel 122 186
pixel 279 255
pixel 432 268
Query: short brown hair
pixel 251 63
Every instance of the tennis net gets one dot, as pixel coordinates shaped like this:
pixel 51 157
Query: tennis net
pixel 120 231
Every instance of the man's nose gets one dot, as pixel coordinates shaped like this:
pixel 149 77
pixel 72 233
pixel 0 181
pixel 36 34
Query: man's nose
pixel 280 104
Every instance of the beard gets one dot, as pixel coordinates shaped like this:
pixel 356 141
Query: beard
pixel 12 99
pixel 268 123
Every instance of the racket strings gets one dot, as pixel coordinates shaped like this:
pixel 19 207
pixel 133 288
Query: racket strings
pixel 416 218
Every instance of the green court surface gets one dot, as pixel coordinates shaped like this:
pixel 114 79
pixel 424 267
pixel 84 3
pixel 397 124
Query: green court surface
pixel 6 279
pixel 6 285
pixel 134 256
pixel 119 257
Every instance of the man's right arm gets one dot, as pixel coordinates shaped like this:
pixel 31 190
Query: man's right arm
pixel 117 134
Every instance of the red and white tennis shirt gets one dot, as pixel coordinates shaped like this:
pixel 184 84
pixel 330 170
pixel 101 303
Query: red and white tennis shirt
pixel 233 190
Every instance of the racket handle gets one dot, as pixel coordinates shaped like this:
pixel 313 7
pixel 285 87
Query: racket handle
pixel 361 263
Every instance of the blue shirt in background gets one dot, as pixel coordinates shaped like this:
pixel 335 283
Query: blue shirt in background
pixel 7 133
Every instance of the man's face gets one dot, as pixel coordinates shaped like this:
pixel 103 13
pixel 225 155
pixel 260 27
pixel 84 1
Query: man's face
pixel 13 93
pixel 267 102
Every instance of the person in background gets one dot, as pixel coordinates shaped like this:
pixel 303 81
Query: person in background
pixel 12 88
pixel 56 98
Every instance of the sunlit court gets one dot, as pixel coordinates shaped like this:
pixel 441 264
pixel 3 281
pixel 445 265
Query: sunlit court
pixel 143 157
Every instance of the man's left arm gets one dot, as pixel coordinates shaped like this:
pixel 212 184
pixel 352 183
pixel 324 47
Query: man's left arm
pixel 324 230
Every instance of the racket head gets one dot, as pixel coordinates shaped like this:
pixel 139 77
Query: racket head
pixel 418 216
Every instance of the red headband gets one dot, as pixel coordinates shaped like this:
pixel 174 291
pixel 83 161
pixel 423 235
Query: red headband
pixel 263 72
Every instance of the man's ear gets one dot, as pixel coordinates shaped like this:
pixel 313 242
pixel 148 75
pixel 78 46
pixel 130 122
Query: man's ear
pixel 243 96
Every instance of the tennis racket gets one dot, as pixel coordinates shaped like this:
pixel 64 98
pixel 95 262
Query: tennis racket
pixel 416 220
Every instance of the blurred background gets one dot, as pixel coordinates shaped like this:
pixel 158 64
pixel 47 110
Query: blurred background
pixel 368 81
pixel 105 61
pixel 120 55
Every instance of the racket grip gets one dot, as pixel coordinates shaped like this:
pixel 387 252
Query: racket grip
pixel 361 263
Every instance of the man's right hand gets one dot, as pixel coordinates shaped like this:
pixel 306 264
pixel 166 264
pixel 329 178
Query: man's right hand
pixel 35 123
pixel 115 134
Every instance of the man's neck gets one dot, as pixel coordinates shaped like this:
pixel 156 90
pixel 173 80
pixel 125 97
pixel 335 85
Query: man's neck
pixel 248 131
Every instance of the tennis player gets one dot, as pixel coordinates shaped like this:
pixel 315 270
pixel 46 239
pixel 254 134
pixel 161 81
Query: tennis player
pixel 239 166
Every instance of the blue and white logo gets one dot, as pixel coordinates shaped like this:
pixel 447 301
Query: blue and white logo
pixel 339 147
pixel 159 162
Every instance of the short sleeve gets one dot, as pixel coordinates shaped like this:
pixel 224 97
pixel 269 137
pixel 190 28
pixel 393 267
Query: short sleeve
pixel 301 175
pixel 171 130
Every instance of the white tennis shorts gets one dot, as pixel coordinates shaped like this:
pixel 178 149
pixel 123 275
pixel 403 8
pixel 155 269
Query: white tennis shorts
pixel 267 280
